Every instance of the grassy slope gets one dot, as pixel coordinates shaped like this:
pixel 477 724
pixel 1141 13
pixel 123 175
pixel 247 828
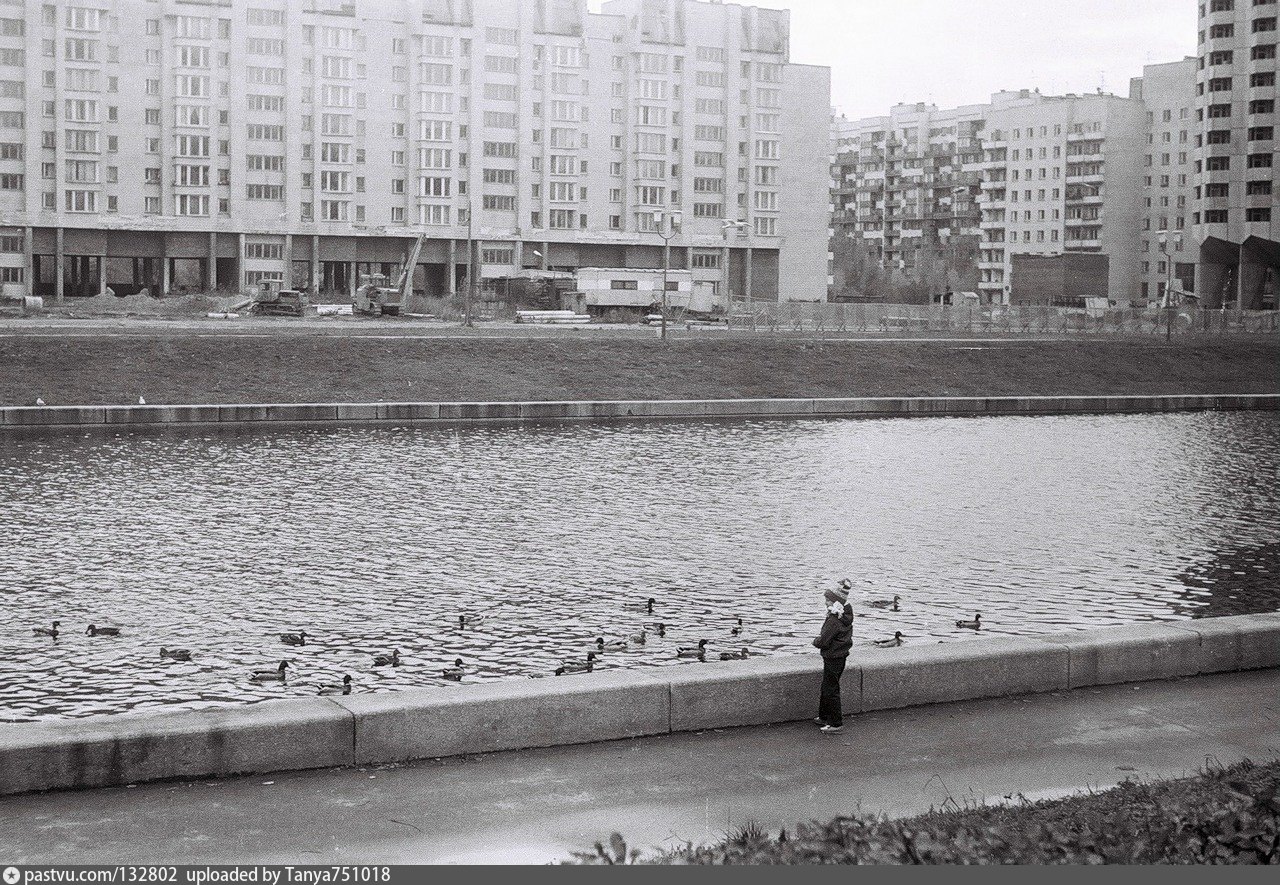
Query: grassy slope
pixel 206 369
pixel 1222 816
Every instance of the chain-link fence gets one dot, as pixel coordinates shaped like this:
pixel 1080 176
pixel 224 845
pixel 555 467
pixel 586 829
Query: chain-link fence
pixel 1001 320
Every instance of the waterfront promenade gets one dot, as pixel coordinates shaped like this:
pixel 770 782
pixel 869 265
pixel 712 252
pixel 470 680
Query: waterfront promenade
pixel 537 805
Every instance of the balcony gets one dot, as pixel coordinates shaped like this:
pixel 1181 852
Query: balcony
pixel 1084 245
pixel 1085 178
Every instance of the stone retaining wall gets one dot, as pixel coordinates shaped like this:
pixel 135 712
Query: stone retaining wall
pixel 427 723
pixel 863 407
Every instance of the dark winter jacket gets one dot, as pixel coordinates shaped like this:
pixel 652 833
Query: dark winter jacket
pixel 836 637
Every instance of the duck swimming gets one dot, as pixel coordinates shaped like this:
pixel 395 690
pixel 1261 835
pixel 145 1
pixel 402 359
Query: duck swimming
pixel 276 675
pixel 975 624
pixel 694 652
pixel 889 643
pixel 647 605
pixel 735 655
pixel 737 628
pixel 661 629
pixel 299 638
pixel 577 666
pixel 391 660
pixel 47 631
pixel 175 654
pixel 891 604
pixel 640 638
pixel 94 630
pixel 602 646
pixel 454 673
pixel 344 688
pixel 470 620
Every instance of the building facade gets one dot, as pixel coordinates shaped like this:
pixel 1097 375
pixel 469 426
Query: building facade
pixel 166 144
pixel 1025 174
pixel 1236 216
pixel 1169 254
pixel 905 186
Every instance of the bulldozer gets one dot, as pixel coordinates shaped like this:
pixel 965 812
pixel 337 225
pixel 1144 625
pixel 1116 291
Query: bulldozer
pixel 375 298
pixel 272 300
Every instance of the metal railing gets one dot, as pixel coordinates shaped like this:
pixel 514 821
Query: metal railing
pixel 804 317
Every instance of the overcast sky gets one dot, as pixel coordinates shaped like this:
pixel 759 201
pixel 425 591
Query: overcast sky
pixel 954 52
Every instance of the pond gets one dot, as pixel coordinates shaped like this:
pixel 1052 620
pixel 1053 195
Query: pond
pixel 374 539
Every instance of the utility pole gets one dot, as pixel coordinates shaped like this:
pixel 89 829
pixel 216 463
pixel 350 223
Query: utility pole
pixel 1168 280
pixel 668 225
pixel 472 268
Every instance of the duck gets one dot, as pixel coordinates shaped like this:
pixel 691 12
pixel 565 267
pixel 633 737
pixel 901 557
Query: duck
pixel 47 631
pixel 470 620
pixel 639 638
pixel 175 654
pixel 602 646
pixel 735 655
pixel 276 675
pixel 344 688
pixel 889 643
pixel 891 604
pixel 94 630
pixel 577 666
pixel 661 629
pixel 693 652
pixel 975 624
pixel 737 628
pixel 647 605
pixel 391 660
pixel 299 638
pixel 454 673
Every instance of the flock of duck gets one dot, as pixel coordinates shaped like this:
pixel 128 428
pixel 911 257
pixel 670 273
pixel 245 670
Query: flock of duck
pixel 459 670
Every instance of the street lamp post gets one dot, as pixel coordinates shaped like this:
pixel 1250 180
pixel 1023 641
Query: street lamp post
pixel 668 225
pixel 1163 237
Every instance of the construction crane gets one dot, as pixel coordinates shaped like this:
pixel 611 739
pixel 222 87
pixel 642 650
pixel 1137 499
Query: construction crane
pixel 376 298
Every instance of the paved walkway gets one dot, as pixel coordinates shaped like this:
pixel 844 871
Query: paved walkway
pixel 536 805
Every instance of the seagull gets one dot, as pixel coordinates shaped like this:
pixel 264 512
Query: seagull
pixel 39 402
pixel 141 401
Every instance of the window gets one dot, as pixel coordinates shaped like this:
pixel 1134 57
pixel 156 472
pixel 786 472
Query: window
pixel 1258 214
pixel 766 226
pixel 434 214
pixel 499 202
pixel 264 191
pixel 191 204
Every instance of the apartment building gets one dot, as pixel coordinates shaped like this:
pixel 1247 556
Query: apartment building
pixel 1169 251
pixel 905 185
pixel 166 144
pixel 1236 216
pixel 1025 174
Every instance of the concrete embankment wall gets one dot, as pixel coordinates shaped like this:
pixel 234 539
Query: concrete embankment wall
pixel 399 413
pixel 448 721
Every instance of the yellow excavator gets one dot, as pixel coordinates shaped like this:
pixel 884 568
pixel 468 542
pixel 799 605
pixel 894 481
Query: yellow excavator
pixel 375 298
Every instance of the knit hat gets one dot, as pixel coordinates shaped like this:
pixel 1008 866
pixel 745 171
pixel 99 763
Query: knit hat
pixel 839 594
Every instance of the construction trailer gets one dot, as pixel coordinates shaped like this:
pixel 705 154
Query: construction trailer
pixel 1067 279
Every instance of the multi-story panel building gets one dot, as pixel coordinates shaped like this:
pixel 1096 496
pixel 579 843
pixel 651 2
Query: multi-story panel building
pixel 1049 174
pixel 1236 217
pixel 161 144
pixel 1168 253
pixel 902 188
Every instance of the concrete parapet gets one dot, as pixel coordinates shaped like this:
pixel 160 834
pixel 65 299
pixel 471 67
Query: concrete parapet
pixel 849 407
pixel 547 712
pixel 1251 642
pixel 302 413
pixel 36 416
pixel 756 691
pixel 408 411
pixel 125 415
pixel 113 750
pixel 357 411
pixel 912 675
pixel 242 414
pixel 518 713
pixel 1133 653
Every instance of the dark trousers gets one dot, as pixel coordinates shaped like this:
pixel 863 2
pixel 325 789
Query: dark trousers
pixel 829 700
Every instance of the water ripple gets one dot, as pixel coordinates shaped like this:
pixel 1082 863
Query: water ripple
pixel 375 539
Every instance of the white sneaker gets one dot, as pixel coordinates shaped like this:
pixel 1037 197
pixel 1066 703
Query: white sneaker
pixel 831 729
